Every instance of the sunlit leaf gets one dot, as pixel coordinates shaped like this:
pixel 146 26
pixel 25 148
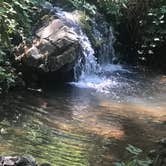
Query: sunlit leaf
pixel 133 150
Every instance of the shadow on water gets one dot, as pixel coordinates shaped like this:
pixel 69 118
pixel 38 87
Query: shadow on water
pixel 79 126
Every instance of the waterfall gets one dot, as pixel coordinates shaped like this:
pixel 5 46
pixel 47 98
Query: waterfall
pixel 91 69
pixel 88 62
pixel 104 34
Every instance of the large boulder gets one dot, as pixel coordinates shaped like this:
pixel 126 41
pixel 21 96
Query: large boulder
pixel 54 47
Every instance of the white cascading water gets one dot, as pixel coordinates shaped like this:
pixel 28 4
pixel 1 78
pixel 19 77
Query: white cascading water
pixel 91 75
pixel 105 35
pixel 90 65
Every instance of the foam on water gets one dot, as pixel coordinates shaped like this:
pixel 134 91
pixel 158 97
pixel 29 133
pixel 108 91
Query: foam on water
pixel 113 68
pixel 98 83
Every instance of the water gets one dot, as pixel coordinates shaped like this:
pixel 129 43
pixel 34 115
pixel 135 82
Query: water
pixel 103 34
pixel 87 63
pixel 89 73
pixel 88 122
pixel 81 126
pixel 102 82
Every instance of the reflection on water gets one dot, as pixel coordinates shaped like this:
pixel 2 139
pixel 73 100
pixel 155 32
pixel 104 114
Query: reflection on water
pixel 81 126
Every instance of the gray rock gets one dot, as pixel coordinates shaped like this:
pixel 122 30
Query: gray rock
pixel 18 161
pixel 26 161
pixel 54 47
pixel 8 161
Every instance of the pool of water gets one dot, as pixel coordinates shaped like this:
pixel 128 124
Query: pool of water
pixel 88 123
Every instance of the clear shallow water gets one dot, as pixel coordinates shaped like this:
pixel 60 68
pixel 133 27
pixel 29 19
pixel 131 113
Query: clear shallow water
pixel 87 123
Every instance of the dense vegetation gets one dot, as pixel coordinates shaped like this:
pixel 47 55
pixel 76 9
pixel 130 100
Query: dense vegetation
pixel 16 19
pixel 139 27
pixel 136 159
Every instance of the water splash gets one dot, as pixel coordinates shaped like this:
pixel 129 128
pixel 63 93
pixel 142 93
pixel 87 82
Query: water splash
pixel 114 68
pixel 89 73
pixel 110 78
pixel 100 84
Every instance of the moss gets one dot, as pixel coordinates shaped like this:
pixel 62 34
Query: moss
pixel 86 23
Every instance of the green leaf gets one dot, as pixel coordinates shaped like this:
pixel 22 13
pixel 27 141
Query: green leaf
pixel 144 162
pixel 133 150
pixel 119 164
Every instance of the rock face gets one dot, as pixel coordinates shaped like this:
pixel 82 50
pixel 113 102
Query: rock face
pixel 55 47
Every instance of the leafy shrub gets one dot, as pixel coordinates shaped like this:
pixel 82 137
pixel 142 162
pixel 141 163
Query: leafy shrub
pixel 84 6
pixel 136 159
pixel 153 35
pixel 112 9
pixel 16 17
pixel 7 79
pixel 140 28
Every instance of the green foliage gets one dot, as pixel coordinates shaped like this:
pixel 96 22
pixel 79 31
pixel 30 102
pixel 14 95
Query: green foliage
pixel 140 27
pixel 16 17
pixel 7 79
pixel 133 150
pixel 154 33
pixel 136 159
pixel 84 6
pixel 112 8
